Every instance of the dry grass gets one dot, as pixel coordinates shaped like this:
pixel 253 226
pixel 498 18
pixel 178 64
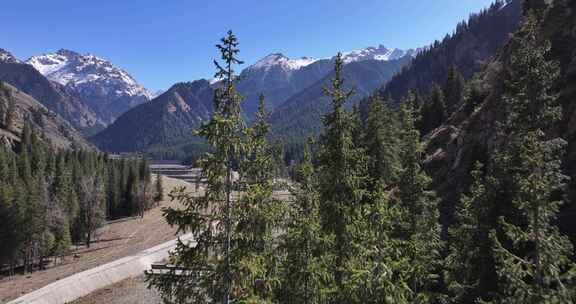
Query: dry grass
pixel 130 291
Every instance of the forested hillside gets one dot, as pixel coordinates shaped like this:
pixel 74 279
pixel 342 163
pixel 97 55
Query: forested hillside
pixel 52 198
pixel 473 133
pixel 468 49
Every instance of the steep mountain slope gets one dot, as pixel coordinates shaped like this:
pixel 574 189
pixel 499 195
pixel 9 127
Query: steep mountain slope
pixel 168 120
pixel 300 116
pixel 52 95
pixel 471 134
pixel 107 89
pixel 469 48
pixel 52 128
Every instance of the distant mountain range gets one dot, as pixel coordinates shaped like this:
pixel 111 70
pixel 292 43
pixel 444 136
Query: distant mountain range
pixel 279 77
pixel 169 120
pixel 294 87
pixel 300 115
pixel 380 53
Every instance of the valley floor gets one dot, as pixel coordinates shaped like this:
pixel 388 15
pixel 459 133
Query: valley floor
pixel 117 240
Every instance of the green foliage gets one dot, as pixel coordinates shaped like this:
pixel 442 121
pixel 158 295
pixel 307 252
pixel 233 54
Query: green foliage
pixel 44 207
pixel 159 189
pixel 363 220
pixel 434 110
pixel 453 90
pixel 506 226
pixel 342 175
pixel 258 219
pixel 469 265
pixel 379 270
pixel 306 276
pixel 532 257
pixel 210 217
pixel 422 229
pixel 381 142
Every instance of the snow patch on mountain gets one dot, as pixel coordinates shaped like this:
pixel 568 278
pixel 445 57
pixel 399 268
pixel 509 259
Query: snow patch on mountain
pixel 7 57
pixel 158 93
pixel 73 69
pixel 380 52
pixel 278 59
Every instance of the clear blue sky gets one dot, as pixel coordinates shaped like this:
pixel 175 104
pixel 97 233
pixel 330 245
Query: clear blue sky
pixel 163 42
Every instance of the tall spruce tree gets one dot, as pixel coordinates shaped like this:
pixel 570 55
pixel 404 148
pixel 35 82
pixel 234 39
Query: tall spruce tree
pixel 381 142
pixel 422 229
pixel 11 113
pixel 342 175
pixel 258 216
pixel 434 110
pixel 306 276
pixel 469 266
pixel 209 218
pixel 532 257
pixel 378 271
pixel 453 90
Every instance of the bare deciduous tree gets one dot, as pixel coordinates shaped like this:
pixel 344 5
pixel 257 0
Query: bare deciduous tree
pixel 92 210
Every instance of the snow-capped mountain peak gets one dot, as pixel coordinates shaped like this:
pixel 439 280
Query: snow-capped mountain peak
pixel 7 57
pixel 70 68
pixel 375 53
pixel 108 89
pixel 278 59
